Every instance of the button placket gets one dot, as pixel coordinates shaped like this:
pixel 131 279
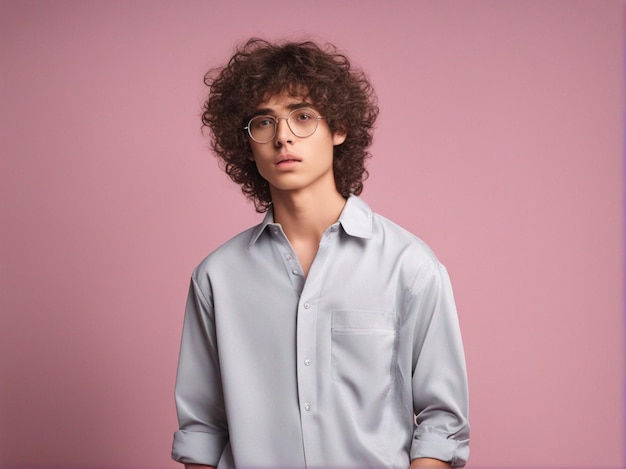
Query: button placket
pixel 289 259
pixel 308 361
pixel 307 321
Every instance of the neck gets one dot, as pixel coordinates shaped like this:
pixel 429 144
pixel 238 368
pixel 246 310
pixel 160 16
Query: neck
pixel 307 215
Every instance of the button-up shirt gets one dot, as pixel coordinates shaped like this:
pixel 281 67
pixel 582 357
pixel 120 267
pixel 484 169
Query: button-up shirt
pixel 360 364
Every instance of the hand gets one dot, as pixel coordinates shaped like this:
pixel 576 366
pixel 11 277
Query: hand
pixel 420 463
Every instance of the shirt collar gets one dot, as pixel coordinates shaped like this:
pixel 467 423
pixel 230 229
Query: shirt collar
pixel 256 232
pixel 356 219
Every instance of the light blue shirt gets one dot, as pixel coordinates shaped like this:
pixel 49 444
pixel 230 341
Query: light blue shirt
pixel 360 364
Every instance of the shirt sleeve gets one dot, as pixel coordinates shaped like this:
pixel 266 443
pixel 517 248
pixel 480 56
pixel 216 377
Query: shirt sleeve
pixel 439 381
pixel 203 432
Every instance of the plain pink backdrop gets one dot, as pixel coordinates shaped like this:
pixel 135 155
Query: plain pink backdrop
pixel 499 143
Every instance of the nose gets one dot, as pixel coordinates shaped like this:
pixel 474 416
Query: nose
pixel 283 132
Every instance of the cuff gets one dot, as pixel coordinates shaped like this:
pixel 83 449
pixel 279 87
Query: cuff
pixel 431 443
pixel 198 448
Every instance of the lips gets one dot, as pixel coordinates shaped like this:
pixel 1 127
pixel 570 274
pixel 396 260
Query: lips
pixel 286 159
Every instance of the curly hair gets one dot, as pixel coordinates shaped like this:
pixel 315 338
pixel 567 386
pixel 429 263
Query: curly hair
pixel 260 69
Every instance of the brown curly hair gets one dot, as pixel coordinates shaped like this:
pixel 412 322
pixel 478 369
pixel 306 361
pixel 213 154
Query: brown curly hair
pixel 260 69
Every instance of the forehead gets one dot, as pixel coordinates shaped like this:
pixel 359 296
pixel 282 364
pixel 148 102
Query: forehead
pixel 284 101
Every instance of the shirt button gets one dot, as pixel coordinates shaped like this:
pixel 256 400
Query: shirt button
pixel 288 257
pixel 306 306
pixel 294 271
pixel 334 228
pixel 307 362
pixel 307 406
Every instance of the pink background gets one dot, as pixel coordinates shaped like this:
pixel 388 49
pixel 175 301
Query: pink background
pixel 499 143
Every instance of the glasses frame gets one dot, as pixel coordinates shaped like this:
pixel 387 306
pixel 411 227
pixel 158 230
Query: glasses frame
pixel 286 117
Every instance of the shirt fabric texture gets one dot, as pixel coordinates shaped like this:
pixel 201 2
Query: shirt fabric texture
pixel 360 364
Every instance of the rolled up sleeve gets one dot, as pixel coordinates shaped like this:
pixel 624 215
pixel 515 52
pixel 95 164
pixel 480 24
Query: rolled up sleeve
pixel 440 389
pixel 203 431
pixel 197 447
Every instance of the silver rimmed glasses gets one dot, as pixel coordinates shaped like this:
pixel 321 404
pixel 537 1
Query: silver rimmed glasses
pixel 302 122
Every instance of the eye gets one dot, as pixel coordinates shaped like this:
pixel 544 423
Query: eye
pixel 262 122
pixel 303 115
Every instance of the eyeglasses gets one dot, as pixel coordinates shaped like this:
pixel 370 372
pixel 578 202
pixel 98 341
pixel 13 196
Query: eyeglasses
pixel 302 123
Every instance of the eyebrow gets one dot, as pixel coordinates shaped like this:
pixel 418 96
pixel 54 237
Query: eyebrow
pixel 290 107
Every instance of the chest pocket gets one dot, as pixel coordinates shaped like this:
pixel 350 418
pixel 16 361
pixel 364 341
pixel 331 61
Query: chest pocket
pixel 362 350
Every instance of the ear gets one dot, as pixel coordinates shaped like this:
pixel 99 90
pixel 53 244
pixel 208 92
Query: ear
pixel 339 137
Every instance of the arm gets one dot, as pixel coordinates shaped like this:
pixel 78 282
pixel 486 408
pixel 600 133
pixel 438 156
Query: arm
pixel 440 390
pixel 203 432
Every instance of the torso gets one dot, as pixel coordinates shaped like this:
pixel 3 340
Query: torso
pixel 305 251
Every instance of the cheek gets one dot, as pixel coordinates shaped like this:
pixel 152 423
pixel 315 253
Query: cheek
pixel 253 151
pixel 261 164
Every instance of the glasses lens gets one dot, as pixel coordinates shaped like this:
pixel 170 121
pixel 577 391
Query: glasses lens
pixel 262 128
pixel 303 122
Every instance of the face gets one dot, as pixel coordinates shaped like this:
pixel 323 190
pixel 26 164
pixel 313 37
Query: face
pixel 290 163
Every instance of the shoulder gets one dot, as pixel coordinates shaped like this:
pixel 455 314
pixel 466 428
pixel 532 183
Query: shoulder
pixel 398 237
pixel 385 236
pixel 227 256
pixel 417 261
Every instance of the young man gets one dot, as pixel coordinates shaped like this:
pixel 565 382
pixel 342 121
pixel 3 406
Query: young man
pixel 326 336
